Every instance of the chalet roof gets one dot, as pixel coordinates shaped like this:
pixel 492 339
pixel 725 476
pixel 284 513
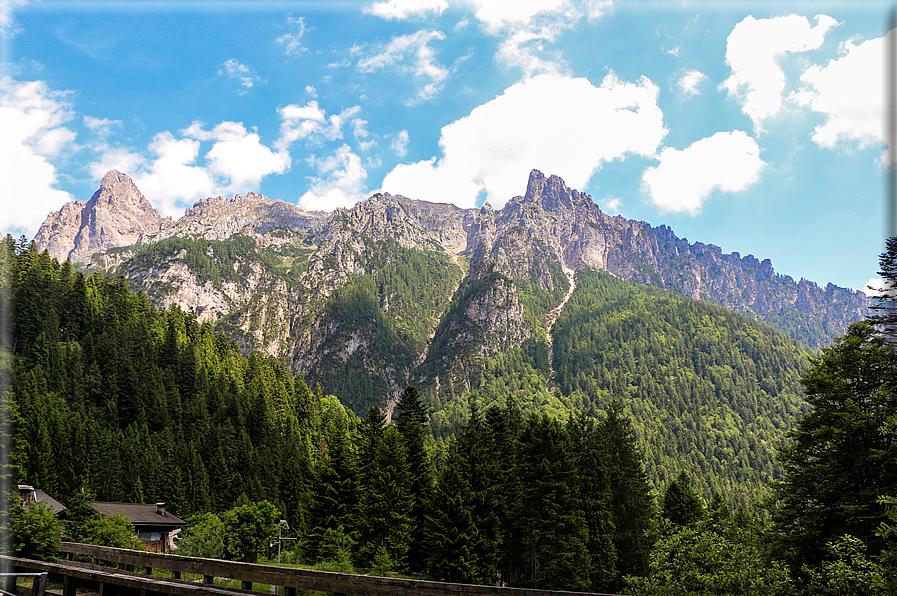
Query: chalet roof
pixel 140 514
pixel 39 496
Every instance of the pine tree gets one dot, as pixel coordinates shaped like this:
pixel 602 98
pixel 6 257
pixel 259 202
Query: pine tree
pixel 631 499
pixel 482 497
pixel 502 427
pixel 553 532
pixel 450 530
pixel 411 420
pixel 334 489
pixel 594 494
pixel 838 462
pixel 681 504
pixel 387 502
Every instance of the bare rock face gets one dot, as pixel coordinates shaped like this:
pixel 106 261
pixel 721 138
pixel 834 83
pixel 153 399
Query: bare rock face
pixel 116 215
pixel 282 283
pixel 255 215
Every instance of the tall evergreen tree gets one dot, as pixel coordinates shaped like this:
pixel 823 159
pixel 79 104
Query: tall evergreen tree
pixel 681 504
pixel 387 502
pixel 450 529
pixel 631 499
pixel 483 496
pixel 411 419
pixel 594 494
pixel 334 491
pixel 838 462
pixel 502 427
pixel 552 527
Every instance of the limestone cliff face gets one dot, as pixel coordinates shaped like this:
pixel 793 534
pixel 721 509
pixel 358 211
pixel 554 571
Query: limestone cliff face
pixel 254 215
pixel 281 291
pixel 553 224
pixel 116 215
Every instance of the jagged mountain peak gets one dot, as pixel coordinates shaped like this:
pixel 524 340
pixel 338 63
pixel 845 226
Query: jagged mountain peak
pixel 116 184
pixel 553 194
pixel 537 240
pixel 116 215
pixel 118 192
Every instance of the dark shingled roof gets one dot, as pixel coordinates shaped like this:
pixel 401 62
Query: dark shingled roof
pixel 42 497
pixel 139 514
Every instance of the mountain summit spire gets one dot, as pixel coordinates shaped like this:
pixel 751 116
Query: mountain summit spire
pixel 552 192
pixel 116 215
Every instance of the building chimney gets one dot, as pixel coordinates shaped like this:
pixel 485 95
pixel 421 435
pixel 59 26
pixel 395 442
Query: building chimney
pixel 160 509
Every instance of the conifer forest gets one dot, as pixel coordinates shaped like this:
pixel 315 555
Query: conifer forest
pixel 789 485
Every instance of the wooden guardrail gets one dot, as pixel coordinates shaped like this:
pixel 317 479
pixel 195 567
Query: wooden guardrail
pixel 248 573
pixel 106 580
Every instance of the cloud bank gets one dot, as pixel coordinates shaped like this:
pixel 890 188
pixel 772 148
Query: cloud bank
pixel 558 124
pixel 725 162
pixel 753 49
pixel 32 135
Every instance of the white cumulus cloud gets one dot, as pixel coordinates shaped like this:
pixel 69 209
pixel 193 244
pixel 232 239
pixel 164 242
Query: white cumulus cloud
pixel 175 170
pixel 172 180
pixel 560 125
pixel 238 160
pixel 753 49
pixel 32 136
pixel 690 82
pixel 405 9
pixel 849 92
pixel 115 158
pixel 409 54
pixel 725 162
pixel 247 79
pixel 292 41
pixel 400 143
pixel 311 122
pixel 340 182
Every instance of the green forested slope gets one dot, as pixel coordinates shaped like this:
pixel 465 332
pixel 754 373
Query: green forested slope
pixel 128 402
pixel 138 404
pixel 708 390
pixel 387 314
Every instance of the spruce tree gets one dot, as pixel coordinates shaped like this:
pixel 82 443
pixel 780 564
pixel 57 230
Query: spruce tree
pixel 386 504
pixel 502 427
pixel 483 496
pixel 450 529
pixel 631 499
pixel 334 490
pixel 411 420
pixel 838 462
pixel 552 527
pixel 681 504
pixel 594 494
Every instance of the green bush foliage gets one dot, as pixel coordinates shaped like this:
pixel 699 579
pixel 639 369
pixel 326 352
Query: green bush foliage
pixel 36 531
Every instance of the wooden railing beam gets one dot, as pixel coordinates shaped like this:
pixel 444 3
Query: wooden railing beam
pixel 292 579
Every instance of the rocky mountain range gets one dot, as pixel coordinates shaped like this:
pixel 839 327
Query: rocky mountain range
pixel 398 290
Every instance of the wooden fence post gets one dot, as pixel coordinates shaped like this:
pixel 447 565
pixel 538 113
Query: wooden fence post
pixel 39 585
pixel 10 584
pixel 70 586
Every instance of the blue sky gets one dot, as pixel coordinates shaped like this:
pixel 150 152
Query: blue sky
pixel 755 126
